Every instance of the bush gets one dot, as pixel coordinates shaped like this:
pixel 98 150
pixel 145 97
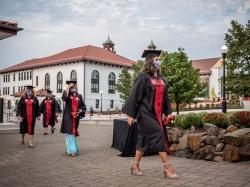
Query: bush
pixel 185 121
pixel 243 118
pixel 218 119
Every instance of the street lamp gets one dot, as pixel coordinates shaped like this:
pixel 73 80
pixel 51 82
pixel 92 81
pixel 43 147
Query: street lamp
pixel 224 49
pixel 101 92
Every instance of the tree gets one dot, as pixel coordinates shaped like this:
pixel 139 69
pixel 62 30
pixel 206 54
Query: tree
pixel 124 84
pixel 126 80
pixel 183 80
pixel 238 59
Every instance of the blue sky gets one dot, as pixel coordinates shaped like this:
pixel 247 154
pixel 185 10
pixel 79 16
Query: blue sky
pixel 51 26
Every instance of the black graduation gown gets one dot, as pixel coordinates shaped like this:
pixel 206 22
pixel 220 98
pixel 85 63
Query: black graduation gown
pixel 66 126
pixel 21 111
pixel 141 105
pixel 54 110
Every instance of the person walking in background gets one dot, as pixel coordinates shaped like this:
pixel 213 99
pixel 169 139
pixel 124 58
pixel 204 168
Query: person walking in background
pixel 50 111
pixel 27 113
pixel 74 108
pixel 149 104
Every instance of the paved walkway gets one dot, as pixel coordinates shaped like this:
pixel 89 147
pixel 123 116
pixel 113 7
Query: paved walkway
pixel 99 165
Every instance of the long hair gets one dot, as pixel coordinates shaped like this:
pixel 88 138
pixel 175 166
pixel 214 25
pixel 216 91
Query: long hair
pixel 148 63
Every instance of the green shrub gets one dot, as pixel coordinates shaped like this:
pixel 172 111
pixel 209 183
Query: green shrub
pixel 216 118
pixel 185 121
pixel 243 118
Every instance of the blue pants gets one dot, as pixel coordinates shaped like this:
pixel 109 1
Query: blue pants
pixel 71 144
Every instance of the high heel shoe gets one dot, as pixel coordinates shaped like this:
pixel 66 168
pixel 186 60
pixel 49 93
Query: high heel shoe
pixel 166 167
pixel 135 172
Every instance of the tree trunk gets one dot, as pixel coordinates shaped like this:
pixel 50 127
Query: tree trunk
pixel 177 107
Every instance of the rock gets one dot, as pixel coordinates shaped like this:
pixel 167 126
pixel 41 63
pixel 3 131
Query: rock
pixel 174 135
pixel 192 129
pixel 185 153
pixel 209 158
pixel 202 144
pixel 219 147
pixel 239 137
pixel 213 131
pixel 231 128
pixel 199 154
pixel 231 153
pixel 218 158
pixel 244 152
pixel 209 150
pixel 218 153
pixel 206 126
pixel 221 134
pixel 193 140
pixel 203 139
pixel 212 140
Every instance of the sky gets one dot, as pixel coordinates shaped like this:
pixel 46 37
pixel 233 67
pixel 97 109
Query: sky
pixel 52 26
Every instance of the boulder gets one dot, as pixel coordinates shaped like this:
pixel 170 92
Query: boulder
pixel 213 131
pixel 200 153
pixel 203 139
pixel 244 152
pixel 192 129
pixel 209 158
pixel 218 158
pixel 206 126
pixel 239 137
pixel 174 134
pixel 218 153
pixel 231 153
pixel 193 140
pixel 219 147
pixel 209 150
pixel 231 128
pixel 221 134
pixel 212 140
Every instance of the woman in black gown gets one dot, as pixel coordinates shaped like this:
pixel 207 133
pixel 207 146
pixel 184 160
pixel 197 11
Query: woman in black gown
pixel 149 104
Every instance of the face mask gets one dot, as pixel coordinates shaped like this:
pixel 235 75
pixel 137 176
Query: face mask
pixel 156 64
pixel 73 91
pixel 29 93
pixel 49 95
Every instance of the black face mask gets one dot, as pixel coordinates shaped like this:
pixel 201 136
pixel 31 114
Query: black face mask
pixel 73 91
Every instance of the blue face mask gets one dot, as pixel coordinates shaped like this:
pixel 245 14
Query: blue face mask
pixel 156 64
pixel 29 93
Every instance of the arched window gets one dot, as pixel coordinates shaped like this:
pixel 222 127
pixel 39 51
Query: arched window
pixel 73 75
pixel 111 83
pixel 95 82
pixel 59 82
pixel 47 81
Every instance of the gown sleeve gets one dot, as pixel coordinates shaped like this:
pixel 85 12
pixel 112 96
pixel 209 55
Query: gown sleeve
pixel 83 106
pixel 132 104
pixel 65 95
pixel 56 106
pixel 167 104
pixel 19 107
pixel 42 107
pixel 37 110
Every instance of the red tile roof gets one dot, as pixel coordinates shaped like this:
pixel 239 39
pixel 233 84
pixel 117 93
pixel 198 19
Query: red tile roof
pixel 88 52
pixel 204 65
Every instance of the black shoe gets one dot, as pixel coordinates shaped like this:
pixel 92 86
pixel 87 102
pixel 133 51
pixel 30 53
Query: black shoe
pixel 31 146
pixel 45 133
pixel 52 130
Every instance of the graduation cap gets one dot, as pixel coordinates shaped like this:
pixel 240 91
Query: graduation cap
pixel 68 82
pixel 151 50
pixel 49 91
pixel 29 87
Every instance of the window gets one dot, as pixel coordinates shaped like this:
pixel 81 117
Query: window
pixel 59 82
pixel 9 78
pixel 111 83
pixel 97 103
pixel 47 82
pixel 8 90
pixel 19 78
pixel 95 82
pixel 14 77
pixel 36 80
pixel 111 103
pixel 73 75
pixel 14 91
pixel 28 77
pixel 24 75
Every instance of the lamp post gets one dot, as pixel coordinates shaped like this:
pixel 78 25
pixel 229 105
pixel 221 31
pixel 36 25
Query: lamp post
pixel 101 92
pixel 224 49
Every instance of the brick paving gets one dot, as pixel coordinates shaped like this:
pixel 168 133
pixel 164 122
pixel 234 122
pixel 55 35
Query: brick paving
pixel 99 165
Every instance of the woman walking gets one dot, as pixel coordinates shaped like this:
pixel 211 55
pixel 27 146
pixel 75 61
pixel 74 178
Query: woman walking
pixel 149 104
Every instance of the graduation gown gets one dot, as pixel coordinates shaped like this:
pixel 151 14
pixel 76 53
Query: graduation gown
pixel 147 103
pixel 28 109
pixel 49 108
pixel 72 105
